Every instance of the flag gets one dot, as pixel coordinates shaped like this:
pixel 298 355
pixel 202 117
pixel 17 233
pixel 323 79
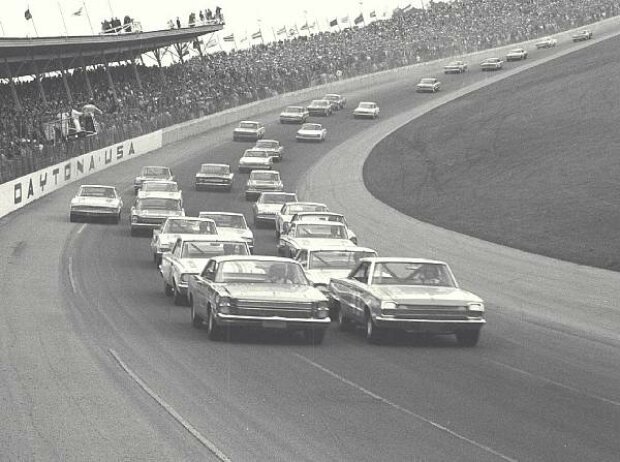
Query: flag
pixel 313 25
pixel 257 35
pixel 373 14
pixel 344 19
pixel 78 12
pixel 359 19
pixel 244 39
pixel 304 27
pixel 229 38
pixel 333 22
pixel 292 31
pixel 281 31
pixel 211 44
pixel 27 15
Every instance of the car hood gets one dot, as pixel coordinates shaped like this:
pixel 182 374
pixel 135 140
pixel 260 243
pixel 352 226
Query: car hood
pixel 264 183
pixel 273 292
pixel 96 201
pixel 162 194
pixel 214 175
pixel 192 265
pixel 425 295
pixel 268 208
pixel 158 213
pixel 309 132
pixel 171 238
pixel 291 114
pixel 235 233
pixel 304 242
pixel 323 275
pixel 254 160
pixel 249 130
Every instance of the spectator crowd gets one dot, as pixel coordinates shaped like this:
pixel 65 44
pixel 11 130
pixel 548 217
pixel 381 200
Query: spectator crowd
pixel 215 81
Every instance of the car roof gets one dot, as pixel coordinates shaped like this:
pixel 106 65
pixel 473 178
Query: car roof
pixel 274 172
pixel 279 192
pixel 367 102
pixel 161 194
pixel 186 218
pixel 311 123
pixel 210 238
pixel 319 248
pixel 249 122
pixel 155 166
pixel 268 140
pixel 215 165
pixel 235 214
pixel 333 94
pixel 402 260
pixel 322 222
pixel 223 258
pixel 334 214
pixel 160 181
pixel 320 100
pixel 305 203
pixel 96 186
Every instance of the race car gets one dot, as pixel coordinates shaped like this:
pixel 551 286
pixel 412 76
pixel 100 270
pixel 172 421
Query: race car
pixel 160 188
pixel 272 146
pixel 267 206
pixel 516 54
pixel 547 42
pixel 255 159
pixel 585 34
pixel 324 216
pixel 455 67
pixel 152 172
pixel 286 212
pixel 320 107
pixel 149 213
pixel 294 114
pixel 248 129
pixel 231 226
pixel 96 201
pixel 216 176
pixel 338 101
pixel 491 64
pixel 260 181
pixel 306 234
pixel 179 227
pixel 366 109
pixel 428 85
pixel 311 132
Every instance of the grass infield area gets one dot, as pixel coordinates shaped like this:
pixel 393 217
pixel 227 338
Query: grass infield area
pixel 532 162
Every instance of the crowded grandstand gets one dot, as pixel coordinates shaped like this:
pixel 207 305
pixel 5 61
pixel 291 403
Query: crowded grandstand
pixel 62 114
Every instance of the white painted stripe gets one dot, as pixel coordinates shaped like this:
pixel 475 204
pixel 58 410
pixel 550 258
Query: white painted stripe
pixel 170 410
pixel 406 411
pixel 71 280
pixel 557 384
pixel 81 228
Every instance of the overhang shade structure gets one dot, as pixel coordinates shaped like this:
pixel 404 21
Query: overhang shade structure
pixel 35 56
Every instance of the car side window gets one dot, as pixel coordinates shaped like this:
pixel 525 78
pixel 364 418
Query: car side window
pixel 302 257
pixel 361 273
pixel 209 271
pixel 175 249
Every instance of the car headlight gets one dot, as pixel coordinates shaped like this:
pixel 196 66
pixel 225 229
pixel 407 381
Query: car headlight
pixel 223 305
pixel 354 240
pixel 134 219
pixel 388 305
pixel 321 310
pixel 476 307
pixel 184 279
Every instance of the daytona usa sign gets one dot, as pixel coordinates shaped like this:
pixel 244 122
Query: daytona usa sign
pixel 22 191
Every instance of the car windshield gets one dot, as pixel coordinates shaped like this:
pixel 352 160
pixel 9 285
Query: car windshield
pixel 320 217
pixel 427 81
pixel 294 109
pixel 367 105
pixel 253 153
pixel 261 271
pixel 337 259
pixel 94 191
pixel 248 125
pixel 157 203
pixel 516 50
pixel 154 186
pixel 331 97
pixel 208 249
pixel 320 231
pixel 216 169
pixel 292 209
pixel 412 274
pixel 189 227
pixel 226 221
pixel 311 127
pixel 264 176
pixel 267 144
pixel 320 102
pixel 156 172
pixel 278 198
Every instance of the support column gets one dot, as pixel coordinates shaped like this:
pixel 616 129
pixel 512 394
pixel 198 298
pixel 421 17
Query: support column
pixel 136 73
pixel 89 88
pixel 18 103
pixel 65 82
pixel 110 80
pixel 37 77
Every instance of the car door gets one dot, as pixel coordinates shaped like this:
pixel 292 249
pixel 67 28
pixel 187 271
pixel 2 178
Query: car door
pixel 173 260
pixel 357 283
pixel 204 290
pixel 166 264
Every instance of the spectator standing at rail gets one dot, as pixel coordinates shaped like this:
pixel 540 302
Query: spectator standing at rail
pixel 192 19
pixel 201 15
pixel 178 23
pixel 218 13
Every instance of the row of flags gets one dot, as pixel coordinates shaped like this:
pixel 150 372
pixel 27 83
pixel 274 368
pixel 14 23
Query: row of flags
pixel 28 14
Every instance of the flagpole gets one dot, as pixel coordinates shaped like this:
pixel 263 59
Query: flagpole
pixel 275 39
pixel 88 17
pixel 2 27
pixel 34 25
pixel 62 15
pixel 110 6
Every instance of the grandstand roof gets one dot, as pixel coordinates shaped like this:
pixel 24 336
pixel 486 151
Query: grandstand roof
pixel 25 55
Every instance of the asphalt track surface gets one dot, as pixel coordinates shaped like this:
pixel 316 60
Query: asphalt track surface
pixel 79 300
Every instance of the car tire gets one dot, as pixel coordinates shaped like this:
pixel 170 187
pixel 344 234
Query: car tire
pixel 197 321
pixel 179 300
pixel 314 336
pixel 468 338
pixel 248 197
pixel 374 334
pixel 72 218
pixel 133 232
pixel 117 219
pixel 344 323
pixel 214 332
pixel 168 290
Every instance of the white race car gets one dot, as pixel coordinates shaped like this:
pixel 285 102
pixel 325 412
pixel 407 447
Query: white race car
pixel 428 85
pixel 311 132
pixel 160 188
pixel 294 114
pixel 267 206
pixel 548 42
pixel 366 109
pixel 255 159
pixel 516 54
pixel 248 130
pixel 286 212
pixel 231 226
pixel 306 234
pixel 455 67
pixel 179 227
pixel 96 201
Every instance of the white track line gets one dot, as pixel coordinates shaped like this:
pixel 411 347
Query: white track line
pixel 81 228
pixel 71 279
pixel 557 384
pixel 405 410
pixel 170 410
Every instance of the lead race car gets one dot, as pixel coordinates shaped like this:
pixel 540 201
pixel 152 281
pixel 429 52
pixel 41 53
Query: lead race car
pixel 406 294
pixel 366 109
pixel 231 225
pixel 455 67
pixel 516 54
pixel 179 227
pixel 306 234
pixel 257 291
pixel 96 201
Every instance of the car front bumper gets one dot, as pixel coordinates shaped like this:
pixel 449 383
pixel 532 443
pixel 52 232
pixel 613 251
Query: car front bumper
pixel 429 325
pixel 94 212
pixel 272 322
pixel 215 183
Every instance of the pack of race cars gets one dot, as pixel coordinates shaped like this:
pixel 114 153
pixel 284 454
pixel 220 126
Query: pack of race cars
pixel 320 274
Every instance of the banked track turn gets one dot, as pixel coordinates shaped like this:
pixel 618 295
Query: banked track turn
pixel 536 388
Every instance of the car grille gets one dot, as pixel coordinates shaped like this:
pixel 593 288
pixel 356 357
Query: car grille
pixel 152 220
pixel 298 310
pixel 91 209
pixel 213 180
pixel 435 312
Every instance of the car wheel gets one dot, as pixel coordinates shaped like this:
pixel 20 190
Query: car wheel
pixel 214 332
pixel 196 319
pixel 344 323
pixel 168 289
pixel 314 336
pixel 117 219
pixel 179 299
pixel 72 218
pixel 277 233
pixel 468 338
pixel 374 334
pixel 248 197
pixel 133 232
